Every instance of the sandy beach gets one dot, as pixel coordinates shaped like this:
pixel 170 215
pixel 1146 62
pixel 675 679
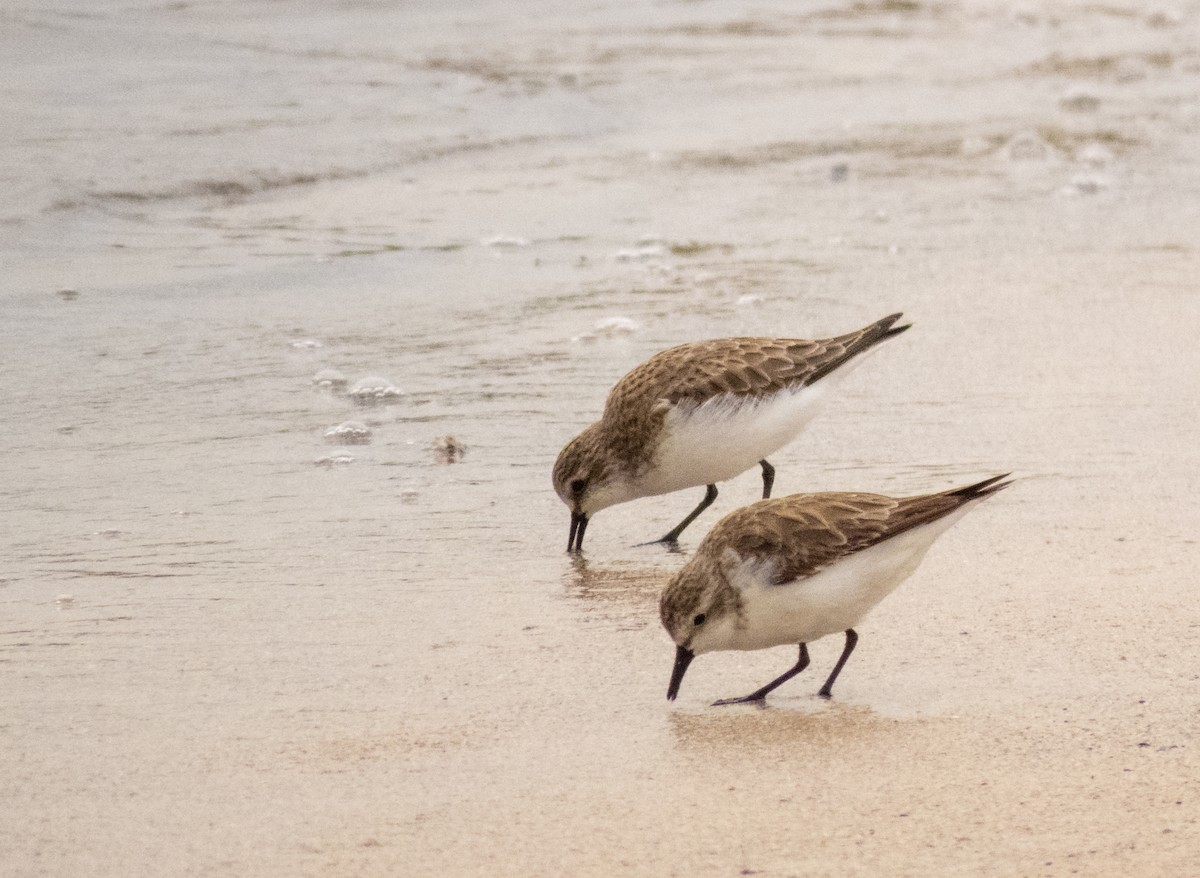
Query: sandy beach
pixel 236 643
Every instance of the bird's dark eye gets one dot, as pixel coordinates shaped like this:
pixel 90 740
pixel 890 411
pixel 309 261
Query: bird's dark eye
pixel 577 486
pixel 699 620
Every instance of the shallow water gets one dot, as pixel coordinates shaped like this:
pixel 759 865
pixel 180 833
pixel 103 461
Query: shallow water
pixel 232 646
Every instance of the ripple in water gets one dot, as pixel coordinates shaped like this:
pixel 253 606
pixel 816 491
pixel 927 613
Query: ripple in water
pixel 505 242
pixel 349 433
pixel 374 390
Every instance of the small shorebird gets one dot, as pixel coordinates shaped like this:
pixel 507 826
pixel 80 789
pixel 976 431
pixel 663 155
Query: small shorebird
pixel 702 413
pixel 797 568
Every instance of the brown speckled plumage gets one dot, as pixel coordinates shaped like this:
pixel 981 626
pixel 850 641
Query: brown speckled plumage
pixel 695 372
pixel 744 365
pixel 799 536
pixel 805 533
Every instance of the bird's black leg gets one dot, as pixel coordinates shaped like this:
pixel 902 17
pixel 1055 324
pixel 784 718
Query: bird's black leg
pixel 761 694
pixel 851 640
pixel 709 496
pixel 768 478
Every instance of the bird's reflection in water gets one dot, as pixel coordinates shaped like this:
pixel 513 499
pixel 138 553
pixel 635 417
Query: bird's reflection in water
pixel 628 583
pixel 795 726
pixel 626 593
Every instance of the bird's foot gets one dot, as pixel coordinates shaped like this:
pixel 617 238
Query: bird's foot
pixel 760 700
pixel 668 541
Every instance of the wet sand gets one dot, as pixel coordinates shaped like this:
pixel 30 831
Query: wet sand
pixel 232 647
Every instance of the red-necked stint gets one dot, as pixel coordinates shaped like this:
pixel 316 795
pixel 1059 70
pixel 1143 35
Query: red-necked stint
pixel 702 413
pixel 794 569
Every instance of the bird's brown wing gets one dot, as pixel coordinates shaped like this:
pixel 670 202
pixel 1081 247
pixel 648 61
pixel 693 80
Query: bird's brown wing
pixel 744 366
pixel 803 534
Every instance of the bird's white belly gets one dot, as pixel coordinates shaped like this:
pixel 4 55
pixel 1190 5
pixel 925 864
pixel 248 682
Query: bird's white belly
pixel 726 436
pixel 834 599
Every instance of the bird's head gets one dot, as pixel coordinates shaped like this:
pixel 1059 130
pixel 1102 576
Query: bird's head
pixel 587 480
pixel 699 609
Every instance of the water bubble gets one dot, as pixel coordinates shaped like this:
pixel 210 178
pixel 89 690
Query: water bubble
pixel 1085 184
pixel 374 390
pixel 305 344
pixel 617 326
pixel 330 379
pixel 609 327
pixel 65 601
pixel 349 433
pixel 646 249
pixel 1028 146
pixel 749 299
pixel 331 460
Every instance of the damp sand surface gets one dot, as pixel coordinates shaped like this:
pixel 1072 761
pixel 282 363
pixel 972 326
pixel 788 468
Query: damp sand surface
pixel 302 299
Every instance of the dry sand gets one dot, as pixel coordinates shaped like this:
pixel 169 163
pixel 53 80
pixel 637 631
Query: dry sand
pixel 224 653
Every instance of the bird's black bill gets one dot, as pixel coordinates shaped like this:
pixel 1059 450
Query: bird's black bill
pixel 683 658
pixel 579 523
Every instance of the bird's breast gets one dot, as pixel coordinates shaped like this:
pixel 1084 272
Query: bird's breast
pixel 726 435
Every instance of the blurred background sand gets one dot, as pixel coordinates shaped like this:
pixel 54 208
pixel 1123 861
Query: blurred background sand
pixel 232 645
